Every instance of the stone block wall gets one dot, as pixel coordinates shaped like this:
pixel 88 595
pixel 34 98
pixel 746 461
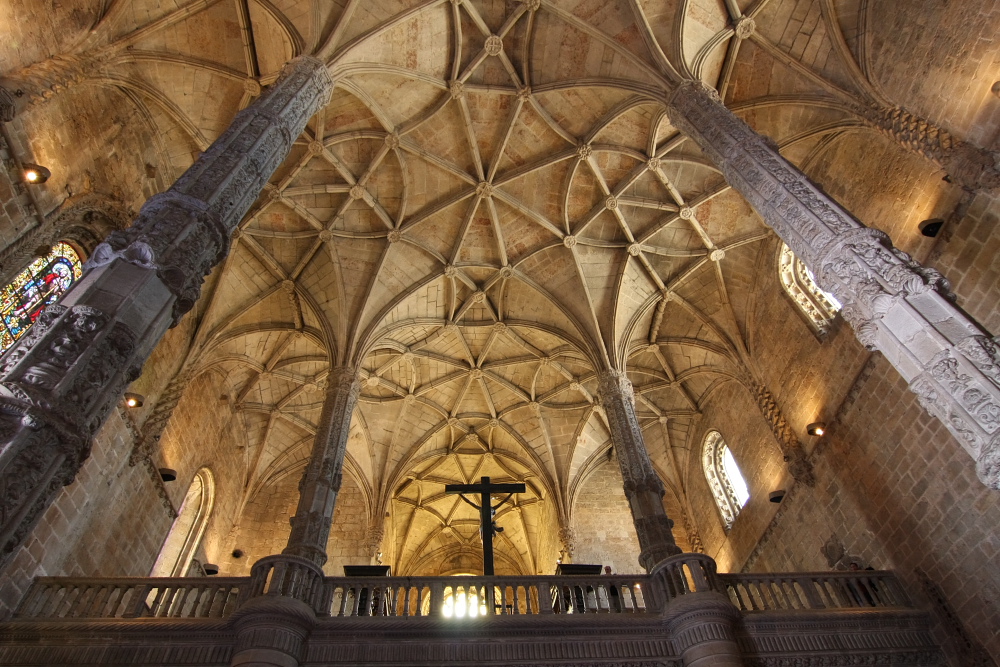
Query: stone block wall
pixel 602 524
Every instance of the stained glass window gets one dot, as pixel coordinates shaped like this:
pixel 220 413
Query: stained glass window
pixel 724 478
pixel 34 288
pixel 818 306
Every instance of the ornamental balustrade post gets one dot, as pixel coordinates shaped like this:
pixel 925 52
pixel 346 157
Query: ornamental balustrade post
pixel 894 304
pixel 321 480
pixel 60 381
pixel 643 486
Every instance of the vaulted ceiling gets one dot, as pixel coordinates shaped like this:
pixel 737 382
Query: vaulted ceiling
pixel 492 207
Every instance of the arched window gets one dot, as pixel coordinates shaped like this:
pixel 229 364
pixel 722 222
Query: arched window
pixel 818 306
pixel 34 288
pixel 724 478
pixel 184 538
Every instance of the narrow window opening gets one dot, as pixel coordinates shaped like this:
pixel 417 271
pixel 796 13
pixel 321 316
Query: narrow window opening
pixel 725 480
pixel 185 535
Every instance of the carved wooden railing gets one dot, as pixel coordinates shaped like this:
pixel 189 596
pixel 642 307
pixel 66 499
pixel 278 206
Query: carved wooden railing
pixel 815 590
pixel 165 597
pixel 67 598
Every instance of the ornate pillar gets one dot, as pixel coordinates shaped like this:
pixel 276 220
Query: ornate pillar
pixel 895 305
pixel 60 381
pixel 321 480
pixel 643 487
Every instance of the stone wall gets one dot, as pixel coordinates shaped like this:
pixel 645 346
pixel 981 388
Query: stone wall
pixel 264 528
pixel 602 524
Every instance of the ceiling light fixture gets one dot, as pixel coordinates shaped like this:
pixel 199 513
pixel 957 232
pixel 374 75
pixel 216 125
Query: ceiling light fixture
pixel 816 428
pixel 35 174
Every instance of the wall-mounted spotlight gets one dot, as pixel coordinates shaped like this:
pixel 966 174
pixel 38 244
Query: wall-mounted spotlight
pixel 816 428
pixel 237 553
pixel 134 400
pixel 168 474
pixel 776 496
pixel 211 569
pixel 931 227
pixel 35 174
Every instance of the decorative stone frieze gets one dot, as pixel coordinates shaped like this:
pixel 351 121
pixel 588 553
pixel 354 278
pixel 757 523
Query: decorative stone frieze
pixel 791 449
pixel 967 165
pixel 894 304
pixel 59 382
pixel 321 481
pixel 643 486
pixel 8 109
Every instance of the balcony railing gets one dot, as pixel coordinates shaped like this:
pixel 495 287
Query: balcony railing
pixel 69 598
pixel 826 590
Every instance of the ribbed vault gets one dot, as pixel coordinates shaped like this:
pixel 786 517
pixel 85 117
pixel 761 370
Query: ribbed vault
pixel 492 207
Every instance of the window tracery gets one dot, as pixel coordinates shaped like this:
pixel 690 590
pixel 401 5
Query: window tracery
pixel 818 306
pixel 40 284
pixel 724 478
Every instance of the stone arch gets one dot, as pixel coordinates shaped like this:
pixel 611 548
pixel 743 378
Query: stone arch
pixel 184 538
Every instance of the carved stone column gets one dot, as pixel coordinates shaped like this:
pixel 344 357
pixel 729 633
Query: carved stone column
pixel 894 304
pixel 59 382
pixel 643 487
pixel 322 478
pixel 971 167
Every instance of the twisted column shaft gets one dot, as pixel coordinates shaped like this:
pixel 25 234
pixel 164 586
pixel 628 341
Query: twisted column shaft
pixel 60 381
pixel 643 487
pixel 895 305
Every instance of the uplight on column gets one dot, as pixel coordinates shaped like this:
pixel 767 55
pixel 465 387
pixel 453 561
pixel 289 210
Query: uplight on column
pixel 816 428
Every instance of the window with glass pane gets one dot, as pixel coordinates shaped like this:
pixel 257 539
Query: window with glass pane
pixel 34 288
pixel 724 478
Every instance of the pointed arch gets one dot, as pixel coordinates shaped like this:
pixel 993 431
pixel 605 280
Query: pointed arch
pixel 185 534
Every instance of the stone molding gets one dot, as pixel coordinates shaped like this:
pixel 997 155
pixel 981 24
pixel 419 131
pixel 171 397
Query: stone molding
pixel 791 447
pixel 971 167
pixel 894 304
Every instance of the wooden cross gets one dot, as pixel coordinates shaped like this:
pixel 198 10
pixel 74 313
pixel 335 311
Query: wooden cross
pixel 487 527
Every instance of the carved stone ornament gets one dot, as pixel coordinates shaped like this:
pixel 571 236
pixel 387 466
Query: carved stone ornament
pixel 642 485
pixel 7 107
pixel 894 304
pixel 494 45
pixel 320 483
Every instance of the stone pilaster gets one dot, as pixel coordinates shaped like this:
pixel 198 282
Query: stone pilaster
pixel 643 487
pixel 895 305
pixel 971 167
pixel 321 481
pixel 60 381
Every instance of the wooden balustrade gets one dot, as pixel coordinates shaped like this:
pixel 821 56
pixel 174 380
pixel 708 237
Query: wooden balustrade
pixel 815 590
pixel 165 597
pixel 52 598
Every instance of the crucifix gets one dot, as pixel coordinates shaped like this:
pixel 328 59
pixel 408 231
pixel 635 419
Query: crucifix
pixel 487 528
